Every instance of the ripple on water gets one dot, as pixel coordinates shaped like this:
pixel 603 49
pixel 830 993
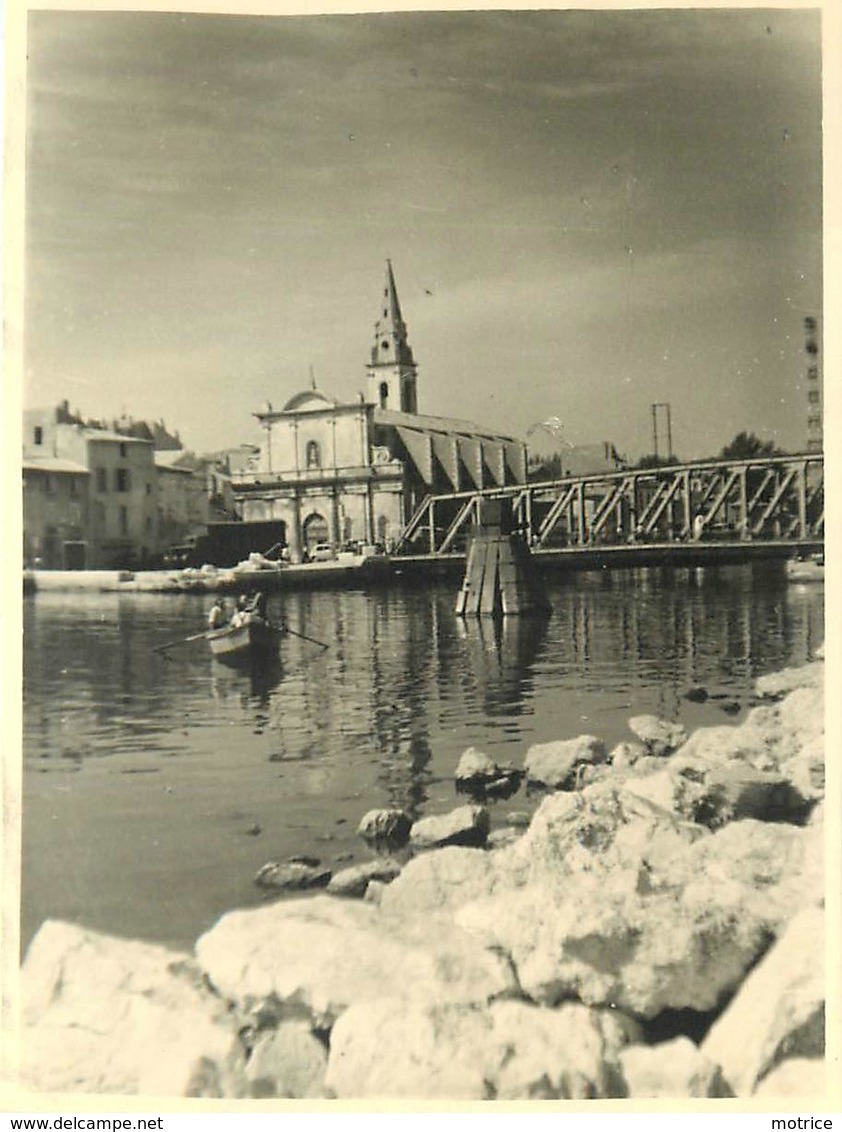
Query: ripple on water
pixel 134 764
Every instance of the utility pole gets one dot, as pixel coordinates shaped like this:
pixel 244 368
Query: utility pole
pixel 815 439
pixel 668 416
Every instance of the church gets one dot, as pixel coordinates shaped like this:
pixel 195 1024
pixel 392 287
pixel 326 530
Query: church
pixel 354 472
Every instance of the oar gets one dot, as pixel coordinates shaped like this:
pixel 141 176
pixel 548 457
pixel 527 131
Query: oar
pixel 181 641
pixel 303 636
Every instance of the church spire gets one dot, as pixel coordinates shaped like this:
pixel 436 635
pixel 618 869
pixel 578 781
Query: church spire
pixel 392 369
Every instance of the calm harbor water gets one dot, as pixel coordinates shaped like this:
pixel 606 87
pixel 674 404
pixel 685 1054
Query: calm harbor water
pixel 156 786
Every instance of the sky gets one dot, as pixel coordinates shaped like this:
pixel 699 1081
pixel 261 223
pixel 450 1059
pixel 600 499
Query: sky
pixel 587 212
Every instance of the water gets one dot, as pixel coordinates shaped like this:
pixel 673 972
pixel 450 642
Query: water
pixel 156 786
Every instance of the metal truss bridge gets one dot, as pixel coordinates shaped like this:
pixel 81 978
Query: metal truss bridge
pixel 702 511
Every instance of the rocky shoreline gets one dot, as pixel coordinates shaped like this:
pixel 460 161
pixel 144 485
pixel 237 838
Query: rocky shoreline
pixel 656 930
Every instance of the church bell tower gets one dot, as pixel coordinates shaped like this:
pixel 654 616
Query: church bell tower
pixel 392 370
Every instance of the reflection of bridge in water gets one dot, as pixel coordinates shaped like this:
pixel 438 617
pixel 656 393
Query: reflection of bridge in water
pixel 718 510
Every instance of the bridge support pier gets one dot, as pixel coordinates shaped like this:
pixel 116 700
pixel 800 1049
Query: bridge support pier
pixel 500 578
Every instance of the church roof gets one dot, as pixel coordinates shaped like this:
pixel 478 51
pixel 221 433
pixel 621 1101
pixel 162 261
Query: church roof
pixel 425 423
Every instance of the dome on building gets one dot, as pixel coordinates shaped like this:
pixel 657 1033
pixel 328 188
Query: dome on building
pixel 309 401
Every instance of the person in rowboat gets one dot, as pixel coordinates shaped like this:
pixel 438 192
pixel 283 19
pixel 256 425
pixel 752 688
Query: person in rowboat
pixel 217 616
pixel 241 612
pixel 258 605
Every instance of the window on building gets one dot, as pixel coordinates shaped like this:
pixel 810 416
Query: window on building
pixel 384 394
pixel 813 396
pixel 101 482
pixel 124 449
pixel 124 521
pixel 39 435
pixel 313 455
pixel 121 479
pixel 49 484
pixel 74 487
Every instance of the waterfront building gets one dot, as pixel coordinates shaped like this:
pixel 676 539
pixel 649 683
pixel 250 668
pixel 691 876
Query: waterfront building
pixel 354 471
pixel 56 513
pixel 182 499
pixel 104 498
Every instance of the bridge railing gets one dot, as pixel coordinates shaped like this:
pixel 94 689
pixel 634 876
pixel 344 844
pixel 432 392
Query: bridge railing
pixel 775 498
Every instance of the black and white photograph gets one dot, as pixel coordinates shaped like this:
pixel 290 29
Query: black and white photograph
pixel 423 560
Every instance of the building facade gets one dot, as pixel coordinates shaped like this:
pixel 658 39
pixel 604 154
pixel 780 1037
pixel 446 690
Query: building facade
pixel 338 472
pixel 56 514
pixel 95 498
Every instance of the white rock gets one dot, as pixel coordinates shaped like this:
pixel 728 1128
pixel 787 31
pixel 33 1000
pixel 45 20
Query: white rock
pixel 671 1069
pixel 626 754
pixel 778 1012
pixel 658 735
pixel 635 911
pixel 287 1062
pixel 442 881
pixel 796 1077
pixel 474 764
pixel 779 683
pixel 747 741
pixel 555 763
pixel 713 793
pixel 509 1050
pixel 467 825
pixel 325 954
pixel 355 880
pixel 501 838
pixel 105 1015
pixel 385 827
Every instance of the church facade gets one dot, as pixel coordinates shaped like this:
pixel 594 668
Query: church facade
pixel 338 472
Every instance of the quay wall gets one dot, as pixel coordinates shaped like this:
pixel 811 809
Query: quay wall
pixel 655 931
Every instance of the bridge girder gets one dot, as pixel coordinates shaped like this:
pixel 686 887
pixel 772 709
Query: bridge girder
pixel 777 497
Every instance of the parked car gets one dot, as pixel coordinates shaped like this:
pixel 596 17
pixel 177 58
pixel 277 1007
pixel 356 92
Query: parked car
pixel 322 552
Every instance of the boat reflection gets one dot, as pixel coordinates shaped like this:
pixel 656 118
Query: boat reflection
pixel 254 680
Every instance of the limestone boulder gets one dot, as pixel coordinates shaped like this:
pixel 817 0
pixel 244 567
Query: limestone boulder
pixel 639 912
pixel 626 754
pixel 804 1077
pixel 671 1069
pixel 555 764
pixel 106 1015
pixel 288 1061
pixel 806 769
pixel 777 684
pixel 324 954
pixel 291 876
pixel 387 829
pixel 713 793
pixel 445 879
pixel 659 736
pixel 509 1050
pixel 748 742
pixel 467 825
pixel 477 773
pixel 778 1012
pixel 355 880
pixel 501 838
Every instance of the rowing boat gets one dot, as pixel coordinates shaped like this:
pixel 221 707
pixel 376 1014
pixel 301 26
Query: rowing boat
pixel 250 639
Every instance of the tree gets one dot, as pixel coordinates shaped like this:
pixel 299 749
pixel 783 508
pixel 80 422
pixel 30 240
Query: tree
pixel 653 461
pixel 747 446
pixel 545 468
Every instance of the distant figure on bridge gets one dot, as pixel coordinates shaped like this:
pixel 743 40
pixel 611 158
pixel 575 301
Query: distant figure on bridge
pixel 698 527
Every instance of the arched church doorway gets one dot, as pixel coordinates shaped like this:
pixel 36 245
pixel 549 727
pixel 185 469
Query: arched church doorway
pixel 314 530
